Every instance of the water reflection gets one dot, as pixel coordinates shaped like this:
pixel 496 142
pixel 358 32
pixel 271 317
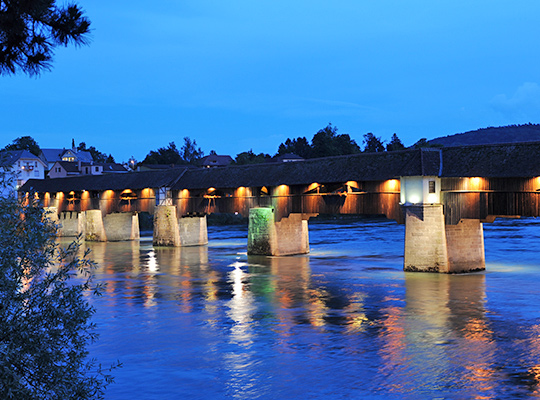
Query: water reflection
pixel 213 322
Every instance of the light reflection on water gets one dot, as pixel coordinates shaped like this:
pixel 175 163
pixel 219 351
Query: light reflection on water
pixel 343 322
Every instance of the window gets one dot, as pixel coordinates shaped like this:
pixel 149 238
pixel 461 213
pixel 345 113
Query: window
pixel 97 169
pixel 36 163
pixel 36 173
pixel 431 186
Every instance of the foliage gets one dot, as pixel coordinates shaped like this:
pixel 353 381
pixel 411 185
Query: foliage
pixel 164 155
pixel 24 143
pixel 299 146
pixel 170 155
pixel 395 144
pixel 45 325
pixel 30 30
pixel 97 155
pixel 373 143
pixel 326 142
pixel 249 157
pixel 190 153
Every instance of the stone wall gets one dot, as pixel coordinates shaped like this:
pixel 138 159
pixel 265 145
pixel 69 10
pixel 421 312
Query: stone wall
pixel 72 223
pixel 432 246
pixel 121 226
pixel 169 230
pixel 95 231
pixel 425 240
pixel 465 244
pixel 267 237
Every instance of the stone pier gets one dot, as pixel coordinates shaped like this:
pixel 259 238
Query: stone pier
pixel 72 223
pixel 95 229
pixel 121 226
pixel 432 246
pixel 267 237
pixel 169 230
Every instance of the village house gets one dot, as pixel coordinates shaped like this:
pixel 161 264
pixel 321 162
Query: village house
pixel 23 164
pixel 214 160
pixel 62 169
pixel 51 156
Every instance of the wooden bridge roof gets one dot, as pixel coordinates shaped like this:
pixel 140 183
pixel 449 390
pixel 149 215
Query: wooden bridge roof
pixel 498 160
pixel 134 180
pixel 510 160
pixel 357 167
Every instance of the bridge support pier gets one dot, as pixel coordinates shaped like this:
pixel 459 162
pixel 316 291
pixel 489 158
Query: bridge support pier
pixel 432 246
pixel 95 229
pixel 72 223
pixel 121 226
pixel 269 238
pixel 169 230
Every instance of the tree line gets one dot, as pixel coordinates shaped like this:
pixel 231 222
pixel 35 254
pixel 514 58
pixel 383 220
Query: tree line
pixel 325 143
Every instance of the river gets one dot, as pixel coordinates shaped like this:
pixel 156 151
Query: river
pixel 344 322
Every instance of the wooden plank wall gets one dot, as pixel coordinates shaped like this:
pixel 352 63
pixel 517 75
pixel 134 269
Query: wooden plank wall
pixel 375 198
pixel 486 198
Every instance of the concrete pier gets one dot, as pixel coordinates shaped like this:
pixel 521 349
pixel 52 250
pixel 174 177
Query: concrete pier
pixel 95 230
pixel 432 246
pixel 465 244
pixel 72 223
pixel 121 226
pixel 169 230
pixel 267 237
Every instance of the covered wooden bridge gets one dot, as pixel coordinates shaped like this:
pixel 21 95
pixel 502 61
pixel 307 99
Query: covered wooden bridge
pixel 443 196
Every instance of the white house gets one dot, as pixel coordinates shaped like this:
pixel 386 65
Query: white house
pixel 23 164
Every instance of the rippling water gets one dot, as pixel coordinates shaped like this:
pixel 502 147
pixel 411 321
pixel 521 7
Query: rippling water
pixel 344 322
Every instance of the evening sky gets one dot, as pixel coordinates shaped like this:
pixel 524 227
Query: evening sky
pixel 237 75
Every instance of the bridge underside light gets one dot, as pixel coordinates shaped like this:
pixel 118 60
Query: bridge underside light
pixel 414 199
pixel 475 183
pixel 282 190
pixel 241 191
pixel 432 198
pixel 314 185
pixel 392 185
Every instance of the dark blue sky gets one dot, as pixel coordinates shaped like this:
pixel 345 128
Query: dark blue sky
pixel 244 74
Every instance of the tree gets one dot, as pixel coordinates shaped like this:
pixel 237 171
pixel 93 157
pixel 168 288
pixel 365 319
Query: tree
pixel 24 143
pixel 299 146
pixel 395 144
pixel 45 317
pixel 373 143
pixel 190 153
pixel 97 155
pixel 164 155
pixel 30 30
pixel 249 157
pixel 326 142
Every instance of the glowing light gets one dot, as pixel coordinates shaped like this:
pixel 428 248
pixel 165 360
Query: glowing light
pixel 282 189
pixel 415 199
pixel 314 185
pixel 392 184
pixel 241 191
pixel 475 182
pixel 432 198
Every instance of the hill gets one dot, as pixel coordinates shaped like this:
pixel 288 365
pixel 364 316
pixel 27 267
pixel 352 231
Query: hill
pixel 503 134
